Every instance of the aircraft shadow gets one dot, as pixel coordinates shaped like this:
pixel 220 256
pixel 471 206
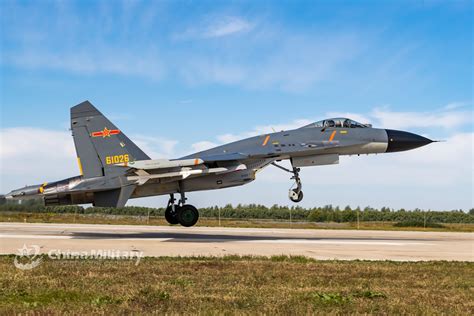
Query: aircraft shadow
pixel 205 238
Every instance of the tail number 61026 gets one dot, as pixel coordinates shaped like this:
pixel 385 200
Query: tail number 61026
pixel 109 160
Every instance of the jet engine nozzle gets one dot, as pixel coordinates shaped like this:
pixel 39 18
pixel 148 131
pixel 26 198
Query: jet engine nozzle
pixel 28 192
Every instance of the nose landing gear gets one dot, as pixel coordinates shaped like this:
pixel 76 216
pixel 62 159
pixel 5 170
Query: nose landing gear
pixel 184 214
pixel 295 194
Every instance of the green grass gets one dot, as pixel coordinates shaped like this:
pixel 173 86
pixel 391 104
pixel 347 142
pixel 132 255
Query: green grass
pixel 418 224
pixel 242 285
pixel 213 222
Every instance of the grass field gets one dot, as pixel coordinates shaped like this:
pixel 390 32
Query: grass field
pixel 278 285
pixel 213 222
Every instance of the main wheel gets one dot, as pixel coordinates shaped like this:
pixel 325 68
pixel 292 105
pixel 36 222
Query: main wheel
pixel 188 215
pixel 170 216
pixel 296 196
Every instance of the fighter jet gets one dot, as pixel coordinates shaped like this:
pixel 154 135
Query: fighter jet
pixel 113 169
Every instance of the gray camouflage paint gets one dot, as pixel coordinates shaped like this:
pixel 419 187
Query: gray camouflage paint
pixel 106 184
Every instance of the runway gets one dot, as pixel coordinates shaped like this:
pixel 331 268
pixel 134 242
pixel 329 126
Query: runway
pixel 213 241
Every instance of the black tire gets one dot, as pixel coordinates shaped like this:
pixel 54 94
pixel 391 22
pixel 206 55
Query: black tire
pixel 170 216
pixel 188 215
pixel 300 196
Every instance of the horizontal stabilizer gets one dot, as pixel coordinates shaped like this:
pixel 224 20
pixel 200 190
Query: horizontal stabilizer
pixel 114 198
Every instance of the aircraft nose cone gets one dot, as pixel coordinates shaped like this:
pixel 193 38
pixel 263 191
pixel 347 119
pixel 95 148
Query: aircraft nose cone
pixel 401 141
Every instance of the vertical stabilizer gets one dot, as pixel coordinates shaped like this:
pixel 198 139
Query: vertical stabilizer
pixel 99 143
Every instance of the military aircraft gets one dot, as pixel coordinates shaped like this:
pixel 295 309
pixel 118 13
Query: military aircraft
pixel 113 169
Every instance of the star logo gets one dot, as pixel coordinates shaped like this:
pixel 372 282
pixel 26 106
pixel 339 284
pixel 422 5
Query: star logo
pixel 28 258
pixel 105 133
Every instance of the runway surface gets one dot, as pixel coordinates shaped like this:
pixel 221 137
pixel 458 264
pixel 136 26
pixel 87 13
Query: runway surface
pixel 211 241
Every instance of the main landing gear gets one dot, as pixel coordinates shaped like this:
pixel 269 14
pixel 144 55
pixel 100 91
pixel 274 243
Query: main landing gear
pixel 184 214
pixel 295 194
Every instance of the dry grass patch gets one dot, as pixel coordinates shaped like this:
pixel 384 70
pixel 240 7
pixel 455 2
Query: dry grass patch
pixel 278 285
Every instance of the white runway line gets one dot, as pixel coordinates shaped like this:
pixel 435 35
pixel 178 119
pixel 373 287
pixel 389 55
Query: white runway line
pixel 78 238
pixel 34 237
pixel 335 242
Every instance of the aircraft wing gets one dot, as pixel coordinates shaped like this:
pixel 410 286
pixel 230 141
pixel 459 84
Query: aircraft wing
pixel 224 157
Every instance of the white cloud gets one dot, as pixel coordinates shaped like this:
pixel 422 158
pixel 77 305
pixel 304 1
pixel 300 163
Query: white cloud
pixel 229 138
pixel 198 71
pixel 34 145
pixel 155 147
pixel 33 155
pixel 227 25
pixel 102 60
pixel 445 118
pixel 292 63
pixel 216 26
pixel 265 55
pixel 455 105
pixel 204 145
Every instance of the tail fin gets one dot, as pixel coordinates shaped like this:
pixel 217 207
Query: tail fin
pixel 99 143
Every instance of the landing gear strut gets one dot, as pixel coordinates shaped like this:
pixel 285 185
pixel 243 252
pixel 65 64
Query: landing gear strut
pixel 295 194
pixel 181 213
pixel 171 211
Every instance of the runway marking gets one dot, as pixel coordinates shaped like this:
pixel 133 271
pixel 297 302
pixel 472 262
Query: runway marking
pixel 72 237
pixel 34 237
pixel 332 242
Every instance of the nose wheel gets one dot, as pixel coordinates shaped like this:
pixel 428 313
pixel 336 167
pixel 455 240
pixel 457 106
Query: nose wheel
pixel 295 194
pixel 185 214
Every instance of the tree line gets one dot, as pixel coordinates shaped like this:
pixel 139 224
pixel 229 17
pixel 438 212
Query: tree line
pixel 326 213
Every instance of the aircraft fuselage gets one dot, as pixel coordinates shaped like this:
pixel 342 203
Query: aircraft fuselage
pixel 113 169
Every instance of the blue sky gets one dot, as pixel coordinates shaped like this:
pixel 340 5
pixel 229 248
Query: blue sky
pixel 186 75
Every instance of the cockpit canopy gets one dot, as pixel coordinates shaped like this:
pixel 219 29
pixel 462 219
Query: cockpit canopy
pixel 341 122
